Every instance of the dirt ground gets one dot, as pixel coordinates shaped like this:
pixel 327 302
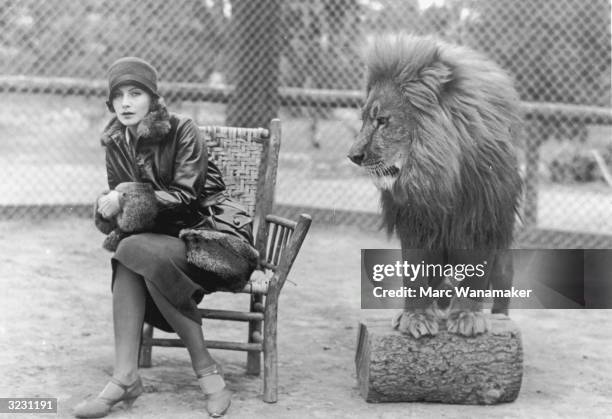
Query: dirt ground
pixel 56 337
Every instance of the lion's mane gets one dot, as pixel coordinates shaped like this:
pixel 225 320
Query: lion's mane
pixel 459 185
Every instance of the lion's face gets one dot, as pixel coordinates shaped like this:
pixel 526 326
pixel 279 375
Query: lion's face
pixel 383 143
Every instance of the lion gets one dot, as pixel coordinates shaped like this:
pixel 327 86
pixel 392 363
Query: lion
pixel 439 127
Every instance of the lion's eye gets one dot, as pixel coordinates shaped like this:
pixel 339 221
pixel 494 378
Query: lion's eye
pixel 382 121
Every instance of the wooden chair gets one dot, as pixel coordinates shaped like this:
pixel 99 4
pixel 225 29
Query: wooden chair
pixel 248 159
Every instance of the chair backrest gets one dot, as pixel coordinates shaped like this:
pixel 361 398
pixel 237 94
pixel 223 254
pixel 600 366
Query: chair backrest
pixel 248 160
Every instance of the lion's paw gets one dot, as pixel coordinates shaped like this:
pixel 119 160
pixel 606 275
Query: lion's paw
pixel 467 323
pixel 416 323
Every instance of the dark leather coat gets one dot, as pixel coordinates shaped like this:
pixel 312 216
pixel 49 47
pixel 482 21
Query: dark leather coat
pixel 170 154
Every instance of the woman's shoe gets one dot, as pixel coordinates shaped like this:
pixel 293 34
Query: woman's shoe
pixel 114 392
pixel 219 397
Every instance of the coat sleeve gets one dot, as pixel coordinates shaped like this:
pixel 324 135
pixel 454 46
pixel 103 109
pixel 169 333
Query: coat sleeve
pixel 111 175
pixel 190 167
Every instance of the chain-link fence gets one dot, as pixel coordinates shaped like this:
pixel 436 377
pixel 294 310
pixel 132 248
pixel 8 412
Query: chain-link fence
pixel 241 62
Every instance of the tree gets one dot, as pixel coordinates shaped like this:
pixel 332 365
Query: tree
pixel 254 63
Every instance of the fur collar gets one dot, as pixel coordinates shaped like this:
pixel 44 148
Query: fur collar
pixel 153 127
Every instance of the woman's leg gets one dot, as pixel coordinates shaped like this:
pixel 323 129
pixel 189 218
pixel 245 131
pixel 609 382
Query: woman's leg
pixel 218 396
pixel 188 330
pixel 128 315
pixel 127 338
pixel 129 293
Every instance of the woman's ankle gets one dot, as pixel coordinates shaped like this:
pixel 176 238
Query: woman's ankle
pixel 207 367
pixel 207 370
pixel 126 378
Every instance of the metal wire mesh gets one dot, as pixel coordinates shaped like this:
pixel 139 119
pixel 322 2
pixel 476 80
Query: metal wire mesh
pixel 239 62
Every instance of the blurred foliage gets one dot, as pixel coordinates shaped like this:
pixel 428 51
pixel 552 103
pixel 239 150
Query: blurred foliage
pixel 320 48
pixel 558 51
pixel 80 38
pixel 572 164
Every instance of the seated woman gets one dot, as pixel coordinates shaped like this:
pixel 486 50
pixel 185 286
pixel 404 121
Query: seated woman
pixel 151 278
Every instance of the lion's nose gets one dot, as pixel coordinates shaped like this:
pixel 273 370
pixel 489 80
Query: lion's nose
pixel 356 158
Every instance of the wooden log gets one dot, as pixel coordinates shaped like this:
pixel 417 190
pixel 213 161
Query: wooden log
pixel 446 368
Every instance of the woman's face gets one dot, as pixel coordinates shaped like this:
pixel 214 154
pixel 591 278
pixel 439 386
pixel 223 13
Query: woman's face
pixel 131 104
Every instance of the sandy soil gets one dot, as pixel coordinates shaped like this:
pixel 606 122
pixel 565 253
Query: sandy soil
pixel 56 337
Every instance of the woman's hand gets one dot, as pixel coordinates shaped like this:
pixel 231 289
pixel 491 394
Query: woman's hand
pixel 108 205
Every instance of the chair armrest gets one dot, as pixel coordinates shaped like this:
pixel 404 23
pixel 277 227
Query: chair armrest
pixel 291 250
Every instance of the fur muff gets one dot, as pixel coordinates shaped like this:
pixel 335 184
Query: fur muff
pixel 230 258
pixel 153 127
pixel 138 210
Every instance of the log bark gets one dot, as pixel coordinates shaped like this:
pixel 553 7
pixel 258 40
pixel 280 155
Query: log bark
pixel 446 368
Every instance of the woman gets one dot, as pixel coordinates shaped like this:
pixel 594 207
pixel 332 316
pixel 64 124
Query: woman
pixel 152 280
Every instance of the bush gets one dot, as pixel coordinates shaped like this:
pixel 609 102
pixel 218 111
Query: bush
pixel 575 163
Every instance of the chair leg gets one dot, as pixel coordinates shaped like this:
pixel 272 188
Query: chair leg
pixel 254 358
pixel 144 355
pixel 270 352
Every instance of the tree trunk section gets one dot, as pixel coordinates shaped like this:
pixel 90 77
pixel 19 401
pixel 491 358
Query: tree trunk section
pixel 254 63
pixel 446 368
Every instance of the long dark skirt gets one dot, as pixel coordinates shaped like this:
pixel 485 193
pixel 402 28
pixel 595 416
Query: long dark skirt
pixel 160 260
